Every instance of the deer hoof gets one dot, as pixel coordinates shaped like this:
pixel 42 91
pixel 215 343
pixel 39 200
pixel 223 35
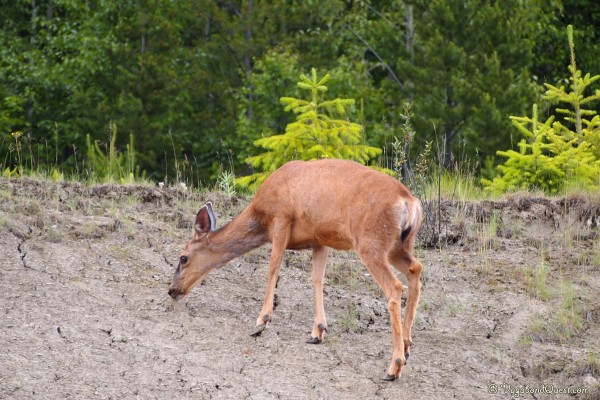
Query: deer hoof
pixel 313 340
pixel 258 330
pixel 389 378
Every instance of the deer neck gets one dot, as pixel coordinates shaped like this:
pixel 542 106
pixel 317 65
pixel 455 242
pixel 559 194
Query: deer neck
pixel 239 236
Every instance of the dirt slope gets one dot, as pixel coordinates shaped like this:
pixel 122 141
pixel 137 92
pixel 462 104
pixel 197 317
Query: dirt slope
pixel 84 311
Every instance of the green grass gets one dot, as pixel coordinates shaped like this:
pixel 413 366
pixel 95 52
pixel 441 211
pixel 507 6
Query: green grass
pixel 487 238
pixel 3 221
pixel 563 322
pixel 536 279
pixel 568 319
pixel 348 322
pixel 454 185
pixel 454 309
pixel 226 183
pixel 589 366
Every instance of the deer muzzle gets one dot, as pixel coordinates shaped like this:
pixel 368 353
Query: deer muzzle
pixel 176 293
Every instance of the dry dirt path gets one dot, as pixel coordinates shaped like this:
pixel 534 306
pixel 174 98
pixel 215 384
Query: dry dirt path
pixel 84 311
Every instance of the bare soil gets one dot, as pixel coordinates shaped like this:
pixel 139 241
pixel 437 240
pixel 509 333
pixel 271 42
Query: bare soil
pixel 84 311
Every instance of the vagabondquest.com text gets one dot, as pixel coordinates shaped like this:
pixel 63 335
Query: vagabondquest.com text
pixel 507 389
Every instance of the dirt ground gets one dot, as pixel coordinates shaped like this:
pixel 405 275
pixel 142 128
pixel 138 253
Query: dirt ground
pixel 510 306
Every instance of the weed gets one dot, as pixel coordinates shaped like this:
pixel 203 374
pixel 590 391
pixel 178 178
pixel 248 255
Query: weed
pixel 486 234
pixel 16 135
pixel 106 164
pixel 429 182
pixel 536 330
pixel 498 356
pixel 568 320
pixel 4 221
pixel 493 226
pixel 32 207
pixel 5 192
pixel 540 277
pixel 454 309
pixel 336 273
pixel 590 366
pixel 457 184
pixel 593 255
pixel 348 322
pixel 525 341
pixel 423 305
pixel 418 321
pixel 226 183
pixel 132 199
pixel 53 234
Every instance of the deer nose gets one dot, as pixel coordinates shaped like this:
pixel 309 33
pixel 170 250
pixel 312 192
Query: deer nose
pixel 173 293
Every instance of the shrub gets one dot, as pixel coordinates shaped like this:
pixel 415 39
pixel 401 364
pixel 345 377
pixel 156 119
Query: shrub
pixel 564 150
pixel 315 134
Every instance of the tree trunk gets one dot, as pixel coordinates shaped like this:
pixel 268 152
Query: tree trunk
pixel 409 35
pixel 247 60
pixel 29 110
pixel 449 129
pixel 448 135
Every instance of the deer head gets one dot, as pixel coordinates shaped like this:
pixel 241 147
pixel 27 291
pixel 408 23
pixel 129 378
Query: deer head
pixel 197 258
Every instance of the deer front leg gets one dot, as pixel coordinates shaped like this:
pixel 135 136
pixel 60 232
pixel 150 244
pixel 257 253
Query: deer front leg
pixel 319 260
pixel 281 235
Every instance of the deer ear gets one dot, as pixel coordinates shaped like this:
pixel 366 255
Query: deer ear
pixel 205 220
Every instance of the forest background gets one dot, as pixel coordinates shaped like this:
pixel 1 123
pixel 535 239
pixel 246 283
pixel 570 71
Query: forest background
pixel 181 90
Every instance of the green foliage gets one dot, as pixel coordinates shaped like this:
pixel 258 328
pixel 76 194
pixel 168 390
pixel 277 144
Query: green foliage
pixel 108 164
pixel 212 72
pixel 10 173
pixel 315 134
pixel 260 113
pixel 584 16
pixel 415 173
pixel 464 67
pixel 226 183
pixel 560 152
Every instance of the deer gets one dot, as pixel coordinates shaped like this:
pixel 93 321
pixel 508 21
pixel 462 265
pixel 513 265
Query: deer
pixel 319 205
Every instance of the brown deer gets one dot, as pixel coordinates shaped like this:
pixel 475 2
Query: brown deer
pixel 319 205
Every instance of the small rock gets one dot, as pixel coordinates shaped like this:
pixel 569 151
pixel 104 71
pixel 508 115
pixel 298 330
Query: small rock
pixel 589 380
pixel 106 329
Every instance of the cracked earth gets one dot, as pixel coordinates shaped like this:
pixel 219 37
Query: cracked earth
pixel 84 311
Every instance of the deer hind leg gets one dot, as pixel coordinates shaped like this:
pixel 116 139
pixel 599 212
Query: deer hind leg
pixel 406 263
pixel 392 287
pixel 281 235
pixel 319 260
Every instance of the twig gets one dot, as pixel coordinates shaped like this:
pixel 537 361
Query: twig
pixel 394 77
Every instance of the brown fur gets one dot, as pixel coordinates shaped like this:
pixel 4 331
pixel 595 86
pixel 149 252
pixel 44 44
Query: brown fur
pixel 321 204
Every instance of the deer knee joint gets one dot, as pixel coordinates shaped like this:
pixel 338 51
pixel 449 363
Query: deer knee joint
pixel 416 267
pixel 399 287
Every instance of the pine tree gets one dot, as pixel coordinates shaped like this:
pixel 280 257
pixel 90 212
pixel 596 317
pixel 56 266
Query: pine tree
pixel 585 121
pixel 556 153
pixel 531 166
pixel 315 134
pixel 465 69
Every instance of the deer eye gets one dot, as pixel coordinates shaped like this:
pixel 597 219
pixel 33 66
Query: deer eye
pixel 183 260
